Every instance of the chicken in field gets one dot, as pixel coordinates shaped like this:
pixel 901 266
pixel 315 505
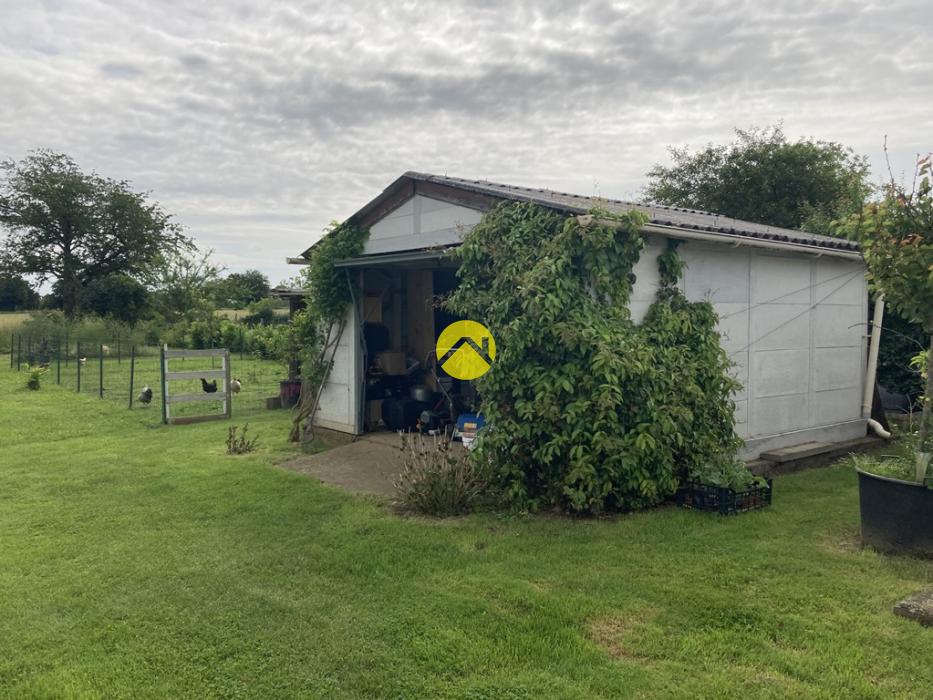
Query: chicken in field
pixel 209 387
pixel 82 361
pixel 145 396
pixel 235 386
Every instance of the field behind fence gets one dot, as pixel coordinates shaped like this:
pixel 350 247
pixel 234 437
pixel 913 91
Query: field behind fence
pixel 119 373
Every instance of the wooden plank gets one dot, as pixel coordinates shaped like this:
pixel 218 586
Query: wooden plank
pixel 453 195
pixel 420 311
pixel 212 352
pixel 187 420
pixel 394 196
pixel 197 374
pixel 190 398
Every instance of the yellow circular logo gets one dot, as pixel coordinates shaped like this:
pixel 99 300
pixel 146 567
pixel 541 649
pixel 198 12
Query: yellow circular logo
pixel 466 349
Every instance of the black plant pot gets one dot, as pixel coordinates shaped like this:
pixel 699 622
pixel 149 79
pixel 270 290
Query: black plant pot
pixel 897 516
pixel 289 392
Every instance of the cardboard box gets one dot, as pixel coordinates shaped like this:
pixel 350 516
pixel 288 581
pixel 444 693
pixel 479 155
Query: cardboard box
pixel 372 309
pixel 373 414
pixel 391 362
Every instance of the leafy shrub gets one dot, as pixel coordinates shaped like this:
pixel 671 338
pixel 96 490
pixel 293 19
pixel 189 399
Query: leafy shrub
pixel 591 411
pixel 727 472
pixel 437 479
pixel 204 334
pixel 261 312
pixel 269 342
pixel 34 381
pixel 238 443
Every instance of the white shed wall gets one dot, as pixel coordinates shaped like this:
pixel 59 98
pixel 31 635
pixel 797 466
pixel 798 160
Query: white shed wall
pixel 339 408
pixel 421 222
pixel 793 325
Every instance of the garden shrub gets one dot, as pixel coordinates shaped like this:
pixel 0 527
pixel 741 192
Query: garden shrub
pixel 437 479
pixel 237 441
pixel 34 380
pixel 261 312
pixel 585 409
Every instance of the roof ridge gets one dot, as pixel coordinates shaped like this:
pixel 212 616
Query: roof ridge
pixel 682 217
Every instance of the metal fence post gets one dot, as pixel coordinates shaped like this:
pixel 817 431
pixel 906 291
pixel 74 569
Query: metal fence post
pixel 58 360
pixel 19 351
pixel 164 384
pixel 12 348
pixel 132 370
pixel 78 365
pixel 100 383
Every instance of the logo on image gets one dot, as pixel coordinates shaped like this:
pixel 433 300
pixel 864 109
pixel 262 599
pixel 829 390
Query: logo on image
pixel 465 350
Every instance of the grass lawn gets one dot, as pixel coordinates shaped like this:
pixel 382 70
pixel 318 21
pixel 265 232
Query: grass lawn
pixel 138 560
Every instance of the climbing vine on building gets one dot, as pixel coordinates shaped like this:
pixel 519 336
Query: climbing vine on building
pixel 589 411
pixel 315 330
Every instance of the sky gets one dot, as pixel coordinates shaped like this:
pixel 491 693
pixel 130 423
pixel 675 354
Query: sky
pixel 256 124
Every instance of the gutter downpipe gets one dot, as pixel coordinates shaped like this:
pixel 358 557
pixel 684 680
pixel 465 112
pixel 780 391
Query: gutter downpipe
pixel 872 371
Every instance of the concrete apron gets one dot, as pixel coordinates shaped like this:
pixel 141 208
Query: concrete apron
pixel 370 463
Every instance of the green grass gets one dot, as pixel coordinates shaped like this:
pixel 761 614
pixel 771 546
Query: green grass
pixel 138 560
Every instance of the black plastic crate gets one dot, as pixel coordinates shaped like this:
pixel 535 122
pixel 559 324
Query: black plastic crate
pixel 723 500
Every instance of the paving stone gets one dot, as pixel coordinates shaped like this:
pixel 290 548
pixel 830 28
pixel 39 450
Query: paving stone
pixel 918 607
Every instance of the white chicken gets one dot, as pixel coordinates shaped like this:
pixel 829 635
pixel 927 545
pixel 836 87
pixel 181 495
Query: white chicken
pixel 235 386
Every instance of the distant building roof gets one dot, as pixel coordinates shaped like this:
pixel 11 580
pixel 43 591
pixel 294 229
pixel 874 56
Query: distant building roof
pixel 284 292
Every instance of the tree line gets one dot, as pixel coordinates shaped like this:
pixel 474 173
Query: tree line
pixel 105 249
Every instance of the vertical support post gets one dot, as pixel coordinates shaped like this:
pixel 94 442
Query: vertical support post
pixel 78 365
pixel 228 404
pixel 162 363
pixel 100 383
pixel 12 348
pixel 19 352
pixel 67 348
pixel 58 360
pixel 132 372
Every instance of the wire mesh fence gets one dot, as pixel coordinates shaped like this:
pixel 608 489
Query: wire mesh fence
pixel 132 376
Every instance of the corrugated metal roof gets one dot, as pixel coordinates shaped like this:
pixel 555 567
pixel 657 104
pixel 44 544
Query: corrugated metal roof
pixel 690 219
pixel 659 215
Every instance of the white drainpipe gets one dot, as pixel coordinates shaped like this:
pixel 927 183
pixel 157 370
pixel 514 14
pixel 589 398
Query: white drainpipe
pixel 873 357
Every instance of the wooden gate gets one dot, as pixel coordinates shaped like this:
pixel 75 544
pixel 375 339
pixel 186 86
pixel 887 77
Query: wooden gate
pixel 222 393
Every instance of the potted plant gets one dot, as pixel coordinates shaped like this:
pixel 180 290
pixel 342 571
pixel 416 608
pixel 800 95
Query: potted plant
pixel 897 241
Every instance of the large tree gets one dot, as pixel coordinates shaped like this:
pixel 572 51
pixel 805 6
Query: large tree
pixel 73 227
pixel 763 177
pixel 182 286
pixel 116 296
pixel 16 294
pixel 239 289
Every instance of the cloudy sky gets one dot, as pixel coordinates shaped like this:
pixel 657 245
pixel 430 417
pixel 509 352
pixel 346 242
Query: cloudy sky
pixel 258 123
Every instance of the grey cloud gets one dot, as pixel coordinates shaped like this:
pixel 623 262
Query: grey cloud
pixel 258 125
pixel 120 70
